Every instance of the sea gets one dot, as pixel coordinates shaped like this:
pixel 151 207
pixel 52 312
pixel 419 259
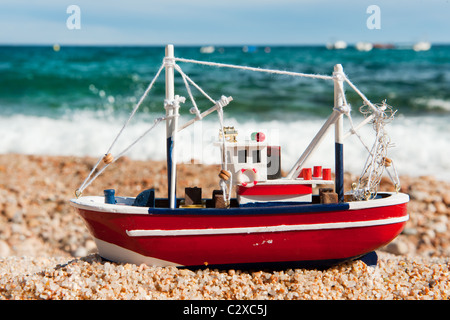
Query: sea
pixel 74 101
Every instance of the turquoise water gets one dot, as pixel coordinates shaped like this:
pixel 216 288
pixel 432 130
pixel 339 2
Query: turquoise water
pixel 74 101
pixel 38 80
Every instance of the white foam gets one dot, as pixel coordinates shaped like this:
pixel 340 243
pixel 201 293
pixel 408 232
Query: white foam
pixel 434 103
pixel 422 143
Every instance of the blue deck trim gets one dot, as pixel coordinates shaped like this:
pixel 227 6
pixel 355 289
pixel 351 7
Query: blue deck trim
pixel 259 209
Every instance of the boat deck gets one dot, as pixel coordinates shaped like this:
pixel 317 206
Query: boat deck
pixel 125 205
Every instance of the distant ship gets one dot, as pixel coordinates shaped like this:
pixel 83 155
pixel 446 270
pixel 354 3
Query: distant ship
pixel 383 46
pixel 364 46
pixel 338 45
pixel 422 46
pixel 207 49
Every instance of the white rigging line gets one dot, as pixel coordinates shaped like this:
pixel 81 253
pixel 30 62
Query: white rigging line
pixel 219 105
pixel 137 105
pixel 290 73
pixel 224 65
pixel 87 182
pixel 88 179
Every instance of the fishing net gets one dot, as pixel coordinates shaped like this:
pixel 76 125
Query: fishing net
pixel 377 161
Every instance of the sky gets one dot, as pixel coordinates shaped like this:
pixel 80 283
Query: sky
pixel 226 22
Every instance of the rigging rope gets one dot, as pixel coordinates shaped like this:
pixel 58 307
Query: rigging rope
pixel 290 73
pixel 224 65
pixel 88 181
pixel 220 103
pixel 376 162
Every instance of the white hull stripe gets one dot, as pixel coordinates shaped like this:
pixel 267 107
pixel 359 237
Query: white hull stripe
pixel 280 228
pixel 119 254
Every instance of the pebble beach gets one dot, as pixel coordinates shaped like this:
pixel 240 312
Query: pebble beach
pixel 46 251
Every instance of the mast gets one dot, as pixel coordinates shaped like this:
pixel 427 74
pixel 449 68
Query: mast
pixel 171 107
pixel 339 133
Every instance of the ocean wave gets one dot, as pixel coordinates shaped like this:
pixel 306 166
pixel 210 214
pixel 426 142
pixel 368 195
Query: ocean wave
pixel 75 101
pixel 421 144
pixel 434 104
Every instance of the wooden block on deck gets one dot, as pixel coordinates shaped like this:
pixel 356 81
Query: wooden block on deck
pixel 219 202
pixel 348 197
pixel 193 196
pixel 327 195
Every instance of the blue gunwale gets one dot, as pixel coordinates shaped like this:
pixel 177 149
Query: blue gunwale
pixel 259 209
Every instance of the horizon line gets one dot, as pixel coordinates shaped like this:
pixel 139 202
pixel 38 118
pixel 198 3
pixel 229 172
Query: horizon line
pixel 212 44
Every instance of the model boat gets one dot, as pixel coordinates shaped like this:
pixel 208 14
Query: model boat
pixel 256 217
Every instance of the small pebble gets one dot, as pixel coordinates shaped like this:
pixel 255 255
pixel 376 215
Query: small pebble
pixel 4 249
pixel 397 247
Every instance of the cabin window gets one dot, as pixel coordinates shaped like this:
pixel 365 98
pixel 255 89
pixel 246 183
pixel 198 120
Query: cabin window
pixel 242 156
pixel 256 155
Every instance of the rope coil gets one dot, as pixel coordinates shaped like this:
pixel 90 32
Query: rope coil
pixel 224 175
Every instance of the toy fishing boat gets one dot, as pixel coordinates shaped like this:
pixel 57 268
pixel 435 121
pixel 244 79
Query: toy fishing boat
pixel 256 217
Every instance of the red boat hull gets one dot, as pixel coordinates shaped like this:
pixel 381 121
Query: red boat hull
pixel 305 234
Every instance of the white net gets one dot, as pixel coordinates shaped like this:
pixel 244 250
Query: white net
pixel 367 186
